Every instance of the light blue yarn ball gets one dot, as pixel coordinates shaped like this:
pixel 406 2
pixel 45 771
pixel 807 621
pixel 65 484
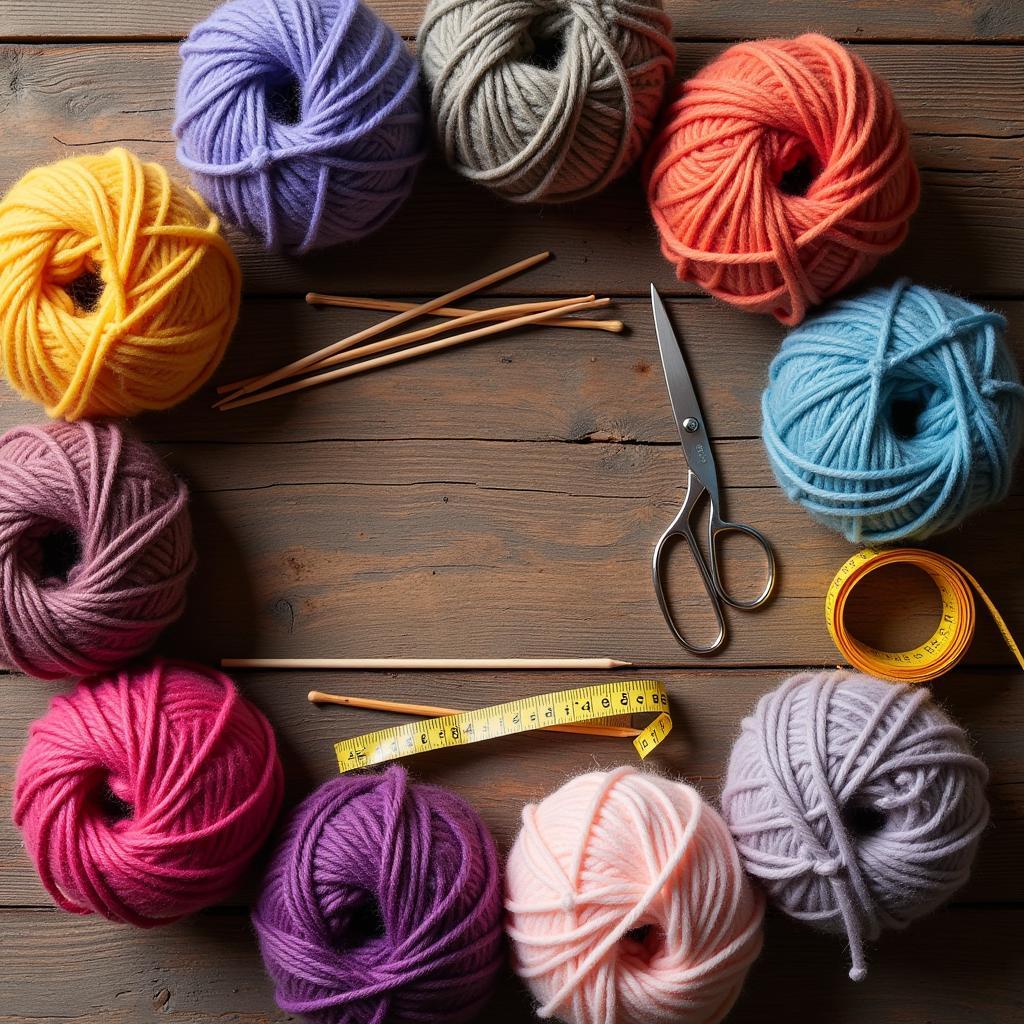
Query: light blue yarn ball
pixel 895 414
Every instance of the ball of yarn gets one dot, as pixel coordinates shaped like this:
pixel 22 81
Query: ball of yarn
pixel 117 292
pixel 545 100
pixel 95 548
pixel 627 903
pixel 382 903
pixel 300 120
pixel 894 414
pixel 857 803
pixel 782 173
pixel 142 796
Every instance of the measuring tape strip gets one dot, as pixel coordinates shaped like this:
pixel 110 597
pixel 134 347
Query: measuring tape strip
pixel 566 707
pixel 953 635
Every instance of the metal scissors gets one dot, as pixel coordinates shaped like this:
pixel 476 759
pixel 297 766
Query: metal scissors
pixel 701 479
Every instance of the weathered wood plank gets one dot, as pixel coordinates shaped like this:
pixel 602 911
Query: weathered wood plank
pixel 435 509
pixel 472 548
pixel 543 385
pixel 693 19
pixel 207 971
pixel 965 105
pixel 384 529
pixel 499 777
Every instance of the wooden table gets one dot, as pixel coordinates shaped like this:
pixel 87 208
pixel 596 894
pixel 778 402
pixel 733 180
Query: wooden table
pixel 503 499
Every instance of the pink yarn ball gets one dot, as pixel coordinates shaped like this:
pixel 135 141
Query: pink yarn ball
pixel 95 548
pixel 627 903
pixel 143 796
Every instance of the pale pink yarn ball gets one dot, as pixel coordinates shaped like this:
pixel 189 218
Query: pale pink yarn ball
pixel 143 796
pixel 627 903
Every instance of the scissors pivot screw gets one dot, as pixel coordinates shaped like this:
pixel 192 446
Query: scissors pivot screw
pixel 691 425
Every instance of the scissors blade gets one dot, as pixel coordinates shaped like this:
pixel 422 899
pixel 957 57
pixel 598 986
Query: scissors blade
pixel 685 406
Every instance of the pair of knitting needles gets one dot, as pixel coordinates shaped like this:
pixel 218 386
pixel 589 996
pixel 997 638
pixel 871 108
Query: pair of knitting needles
pixel 363 357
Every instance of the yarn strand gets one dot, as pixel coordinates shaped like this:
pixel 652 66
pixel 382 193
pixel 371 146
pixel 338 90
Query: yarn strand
pixel 535 129
pixel 824 751
pixel 610 852
pixel 836 387
pixel 128 518
pixel 717 171
pixel 350 158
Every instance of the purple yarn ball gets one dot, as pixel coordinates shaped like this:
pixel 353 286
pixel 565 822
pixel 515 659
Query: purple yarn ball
pixel 382 903
pixel 300 120
pixel 857 803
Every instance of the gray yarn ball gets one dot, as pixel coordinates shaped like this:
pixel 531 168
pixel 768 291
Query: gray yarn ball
pixel 857 804
pixel 545 100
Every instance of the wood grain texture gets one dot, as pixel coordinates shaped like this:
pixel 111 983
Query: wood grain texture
pixel 206 971
pixel 693 19
pixel 542 384
pixel 479 549
pixel 380 516
pixel 504 499
pixel 964 104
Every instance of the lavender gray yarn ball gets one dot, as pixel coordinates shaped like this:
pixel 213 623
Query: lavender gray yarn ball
pixel 856 802
pixel 545 100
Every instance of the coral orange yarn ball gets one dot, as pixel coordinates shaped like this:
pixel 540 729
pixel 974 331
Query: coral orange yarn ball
pixel 782 173
pixel 117 291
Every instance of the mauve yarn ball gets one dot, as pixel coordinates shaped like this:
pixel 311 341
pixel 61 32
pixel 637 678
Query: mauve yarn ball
pixel 95 548
pixel 857 803
pixel 300 120
pixel 545 100
pixel 381 904
pixel 143 796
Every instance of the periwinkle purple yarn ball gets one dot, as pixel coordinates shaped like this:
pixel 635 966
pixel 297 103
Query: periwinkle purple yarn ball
pixel 300 120
pixel 95 548
pixel 857 803
pixel 382 903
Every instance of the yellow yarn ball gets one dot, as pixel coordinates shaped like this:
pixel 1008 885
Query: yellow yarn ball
pixel 117 291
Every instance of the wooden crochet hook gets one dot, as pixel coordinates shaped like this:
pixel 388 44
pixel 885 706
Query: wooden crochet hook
pixel 430 711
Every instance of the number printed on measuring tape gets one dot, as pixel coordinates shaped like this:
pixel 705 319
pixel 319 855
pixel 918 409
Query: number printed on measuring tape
pixel 953 633
pixel 582 705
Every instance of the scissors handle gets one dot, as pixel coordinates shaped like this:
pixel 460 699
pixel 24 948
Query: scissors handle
pixel 717 527
pixel 680 529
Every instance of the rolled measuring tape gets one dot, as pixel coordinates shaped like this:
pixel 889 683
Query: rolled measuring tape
pixel 952 636
pixel 566 707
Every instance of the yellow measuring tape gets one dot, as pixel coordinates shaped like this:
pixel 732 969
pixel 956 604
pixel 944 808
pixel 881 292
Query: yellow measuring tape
pixel 952 636
pixel 566 707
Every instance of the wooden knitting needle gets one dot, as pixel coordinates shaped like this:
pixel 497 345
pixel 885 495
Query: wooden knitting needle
pixel 427 664
pixel 399 318
pixel 472 316
pixel 240 399
pixel 393 305
pixel 430 711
